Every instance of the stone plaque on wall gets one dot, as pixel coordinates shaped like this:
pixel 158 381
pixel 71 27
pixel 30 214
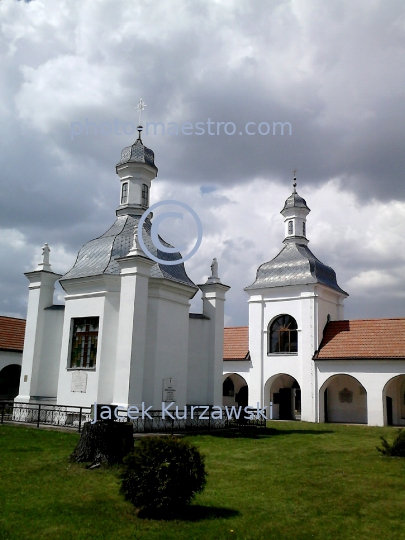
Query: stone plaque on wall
pixel 79 381
pixel 345 396
pixel 169 390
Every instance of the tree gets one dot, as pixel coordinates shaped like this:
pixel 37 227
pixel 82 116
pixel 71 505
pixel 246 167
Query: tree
pixel 104 441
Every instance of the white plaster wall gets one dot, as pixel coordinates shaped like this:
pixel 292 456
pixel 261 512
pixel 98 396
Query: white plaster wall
pixel 8 357
pixel 354 412
pixel 310 306
pixel 48 369
pixel 372 374
pixel 198 360
pixel 257 348
pixel 107 345
pixel 41 290
pixel 81 307
pixel 167 342
pixel 327 303
pixel 263 309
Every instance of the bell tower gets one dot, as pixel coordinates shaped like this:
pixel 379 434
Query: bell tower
pixel 295 213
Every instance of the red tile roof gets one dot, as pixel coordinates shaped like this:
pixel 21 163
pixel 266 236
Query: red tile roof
pixel 12 333
pixel 236 343
pixel 368 338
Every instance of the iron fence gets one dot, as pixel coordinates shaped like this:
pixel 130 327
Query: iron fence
pixel 74 417
pixel 44 414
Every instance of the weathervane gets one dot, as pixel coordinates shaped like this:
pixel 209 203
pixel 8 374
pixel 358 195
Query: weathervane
pixel 140 107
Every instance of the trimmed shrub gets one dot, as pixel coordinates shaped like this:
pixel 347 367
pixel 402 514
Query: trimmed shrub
pixel 397 448
pixel 162 473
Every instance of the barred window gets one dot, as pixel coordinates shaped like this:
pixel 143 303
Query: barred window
pixel 290 227
pixel 283 335
pixel 145 195
pixel 84 342
pixel 124 193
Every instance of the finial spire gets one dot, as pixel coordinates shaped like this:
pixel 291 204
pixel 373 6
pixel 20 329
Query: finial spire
pixel 44 264
pixel 295 181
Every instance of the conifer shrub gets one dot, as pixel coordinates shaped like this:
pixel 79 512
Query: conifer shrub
pixel 162 474
pixel 397 448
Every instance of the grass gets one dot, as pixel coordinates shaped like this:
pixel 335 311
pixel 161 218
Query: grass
pixel 298 481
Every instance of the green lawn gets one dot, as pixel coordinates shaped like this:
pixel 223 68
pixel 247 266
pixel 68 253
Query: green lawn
pixel 298 481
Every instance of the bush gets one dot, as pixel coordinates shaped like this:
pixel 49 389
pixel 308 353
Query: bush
pixel 162 473
pixel 397 448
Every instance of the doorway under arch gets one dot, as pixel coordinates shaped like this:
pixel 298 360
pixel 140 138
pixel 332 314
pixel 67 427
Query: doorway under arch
pixel 343 399
pixel 10 381
pixel 394 401
pixel 285 393
pixel 234 391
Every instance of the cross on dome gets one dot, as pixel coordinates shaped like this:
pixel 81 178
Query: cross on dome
pixel 140 107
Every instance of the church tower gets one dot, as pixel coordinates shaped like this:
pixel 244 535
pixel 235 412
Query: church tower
pixel 290 302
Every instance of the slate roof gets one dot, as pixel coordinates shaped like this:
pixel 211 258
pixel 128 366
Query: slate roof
pixel 295 200
pixel 236 343
pixel 137 153
pixel 12 333
pixel 363 339
pixel 100 256
pixel 295 265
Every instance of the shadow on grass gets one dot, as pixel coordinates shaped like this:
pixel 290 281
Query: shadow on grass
pixel 264 433
pixel 194 512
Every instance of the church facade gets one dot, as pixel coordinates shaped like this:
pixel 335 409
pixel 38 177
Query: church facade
pixel 125 335
pixel 299 354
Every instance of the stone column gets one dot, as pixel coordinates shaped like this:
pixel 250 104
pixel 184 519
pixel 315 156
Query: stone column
pixel 213 296
pixel 131 339
pixel 41 289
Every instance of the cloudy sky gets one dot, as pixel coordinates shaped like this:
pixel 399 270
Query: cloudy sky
pixel 334 70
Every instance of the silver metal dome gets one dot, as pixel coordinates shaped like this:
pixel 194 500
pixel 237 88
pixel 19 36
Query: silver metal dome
pixel 100 256
pixel 137 153
pixel 294 265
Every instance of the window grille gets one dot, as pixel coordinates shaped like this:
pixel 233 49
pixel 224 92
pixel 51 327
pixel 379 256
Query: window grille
pixel 283 335
pixel 84 342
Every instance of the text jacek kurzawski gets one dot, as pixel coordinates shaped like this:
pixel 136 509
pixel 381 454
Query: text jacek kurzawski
pixel 202 412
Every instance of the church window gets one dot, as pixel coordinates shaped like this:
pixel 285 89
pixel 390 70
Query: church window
pixel 145 195
pixel 283 335
pixel 228 388
pixel 303 229
pixel 290 227
pixel 83 350
pixel 124 193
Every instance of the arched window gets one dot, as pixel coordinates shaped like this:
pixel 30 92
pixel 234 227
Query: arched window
pixel 290 227
pixel 124 193
pixel 145 193
pixel 283 335
pixel 228 388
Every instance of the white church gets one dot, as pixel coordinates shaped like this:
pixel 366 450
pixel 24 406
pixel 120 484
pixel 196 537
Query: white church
pixel 300 354
pixel 126 335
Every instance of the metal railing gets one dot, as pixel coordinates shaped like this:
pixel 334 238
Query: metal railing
pixel 44 414
pixel 73 417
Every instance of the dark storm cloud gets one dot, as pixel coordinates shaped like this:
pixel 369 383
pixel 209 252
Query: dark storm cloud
pixel 333 70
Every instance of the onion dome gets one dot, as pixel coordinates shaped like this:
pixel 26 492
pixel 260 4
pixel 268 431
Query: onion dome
pixel 137 153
